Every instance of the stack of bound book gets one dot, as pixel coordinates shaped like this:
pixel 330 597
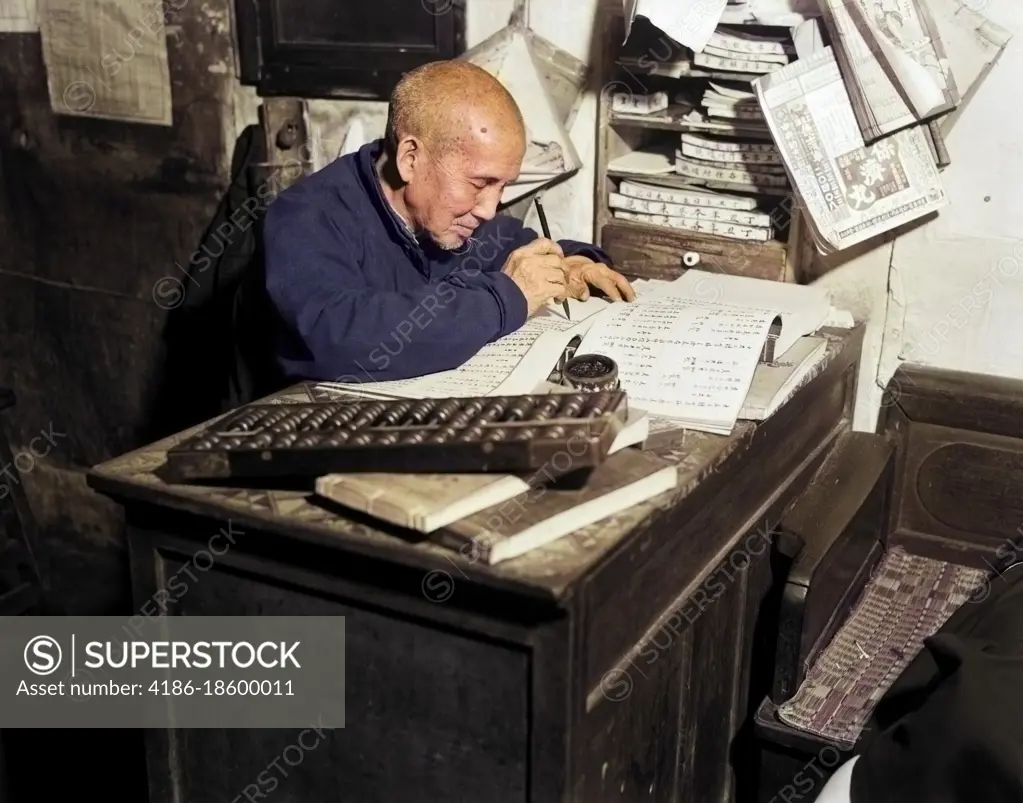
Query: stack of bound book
pixel 724 146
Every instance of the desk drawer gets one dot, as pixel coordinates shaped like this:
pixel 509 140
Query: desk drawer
pixel 649 253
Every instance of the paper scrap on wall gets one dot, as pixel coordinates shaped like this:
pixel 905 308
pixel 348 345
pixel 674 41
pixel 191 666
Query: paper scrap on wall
pixel 550 152
pixel 690 22
pixel 18 16
pixel 786 13
pixel 108 58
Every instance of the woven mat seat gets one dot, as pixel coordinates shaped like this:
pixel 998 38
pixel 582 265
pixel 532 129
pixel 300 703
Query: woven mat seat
pixel 907 599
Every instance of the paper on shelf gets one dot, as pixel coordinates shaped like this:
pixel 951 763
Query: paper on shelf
pixel 690 22
pixel 787 13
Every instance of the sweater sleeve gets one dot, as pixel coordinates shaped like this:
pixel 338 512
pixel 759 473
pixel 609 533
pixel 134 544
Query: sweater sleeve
pixel 344 330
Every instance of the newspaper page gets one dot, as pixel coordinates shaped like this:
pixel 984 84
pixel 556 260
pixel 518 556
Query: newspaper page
pixel 893 83
pixel 850 191
pixel 108 58
pixel 18 16
pixel 909 44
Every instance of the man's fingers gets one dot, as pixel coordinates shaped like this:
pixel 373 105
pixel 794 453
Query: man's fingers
pixel 628 294
pixel 578 288
pixel 606 284
pixel 554 276
pixel 546 262
pixel 541 245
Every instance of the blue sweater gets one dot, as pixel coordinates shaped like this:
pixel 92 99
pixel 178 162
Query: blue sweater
pixel 359 298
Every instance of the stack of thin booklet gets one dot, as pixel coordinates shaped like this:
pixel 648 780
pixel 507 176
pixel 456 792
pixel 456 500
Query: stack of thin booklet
pixel 489 518
pixel 722 174
pixel 857 122
pixel 850 191
pixel 724 214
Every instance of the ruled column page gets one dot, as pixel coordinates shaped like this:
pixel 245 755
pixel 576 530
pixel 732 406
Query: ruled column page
pixel 515 363
pixel 678 358
pixel 802 308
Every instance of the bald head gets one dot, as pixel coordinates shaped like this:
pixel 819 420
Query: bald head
pixel 450 104
pixel 455 138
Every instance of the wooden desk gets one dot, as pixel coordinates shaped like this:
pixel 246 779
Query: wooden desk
pixel 614 664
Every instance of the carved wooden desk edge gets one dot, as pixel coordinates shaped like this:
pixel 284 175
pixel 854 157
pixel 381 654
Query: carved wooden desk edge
pixel 549 572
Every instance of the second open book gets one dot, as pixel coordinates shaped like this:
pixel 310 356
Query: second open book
pixel 685 349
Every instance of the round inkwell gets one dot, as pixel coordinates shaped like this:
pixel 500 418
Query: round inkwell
pixel 591 372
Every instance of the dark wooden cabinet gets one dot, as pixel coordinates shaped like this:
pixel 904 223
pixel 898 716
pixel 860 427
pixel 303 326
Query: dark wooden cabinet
pixel 620 663
pixel 341 48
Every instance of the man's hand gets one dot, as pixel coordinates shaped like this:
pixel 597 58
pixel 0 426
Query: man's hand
pixel 581 273
pixel 537 269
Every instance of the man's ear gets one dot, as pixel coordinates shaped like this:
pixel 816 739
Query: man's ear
pixel 408 157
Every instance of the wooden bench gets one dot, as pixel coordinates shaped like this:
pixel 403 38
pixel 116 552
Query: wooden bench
pixel 897 532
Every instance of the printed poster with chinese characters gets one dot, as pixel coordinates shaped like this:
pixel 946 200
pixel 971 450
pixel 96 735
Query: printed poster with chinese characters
pixel 108 58
pixel 18 16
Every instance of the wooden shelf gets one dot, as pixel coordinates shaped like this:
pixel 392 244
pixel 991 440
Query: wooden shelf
pixel 659 123
pixel 654 252
pixel 693 72
pixel 650 249
pixel 778 246
pixel 676 181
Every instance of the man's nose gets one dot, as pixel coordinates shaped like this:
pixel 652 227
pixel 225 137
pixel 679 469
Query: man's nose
pixel 486 204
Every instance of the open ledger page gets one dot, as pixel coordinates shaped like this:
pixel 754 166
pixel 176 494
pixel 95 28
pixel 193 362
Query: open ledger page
pixel 513 365
pixel 803 308
pixel 850 192
pixel 678 358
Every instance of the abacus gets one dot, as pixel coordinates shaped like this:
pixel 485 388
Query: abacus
pixel 560 432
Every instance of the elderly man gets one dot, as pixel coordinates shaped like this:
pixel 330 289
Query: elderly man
pixel 392 263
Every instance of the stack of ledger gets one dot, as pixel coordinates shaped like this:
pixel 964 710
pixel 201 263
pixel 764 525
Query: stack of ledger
pixel 744 49
pixel 745 159
pixel 490 518
pixel 697 210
